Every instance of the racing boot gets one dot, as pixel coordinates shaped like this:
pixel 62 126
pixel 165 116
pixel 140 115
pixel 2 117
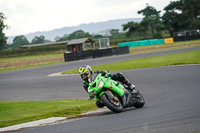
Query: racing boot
pixel 120 77
pixel 130 87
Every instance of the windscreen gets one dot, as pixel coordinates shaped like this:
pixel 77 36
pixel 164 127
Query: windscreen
pixel 92 77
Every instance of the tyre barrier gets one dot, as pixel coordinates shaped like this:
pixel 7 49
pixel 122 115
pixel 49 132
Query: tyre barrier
pixel 159 41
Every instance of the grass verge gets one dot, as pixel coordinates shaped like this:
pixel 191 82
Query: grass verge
pixel 192 57
pixel 21 61
pixel 17 112
pixel 28 61
pixel 29 66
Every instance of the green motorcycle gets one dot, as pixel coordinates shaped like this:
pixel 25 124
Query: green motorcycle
pixel 113 94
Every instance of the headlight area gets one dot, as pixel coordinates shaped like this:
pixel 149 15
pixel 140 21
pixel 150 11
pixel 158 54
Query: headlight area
pixel 92 93
pixel 100 84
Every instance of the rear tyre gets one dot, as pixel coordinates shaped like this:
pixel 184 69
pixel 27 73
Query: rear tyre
pixel 139 100
pixel 114 106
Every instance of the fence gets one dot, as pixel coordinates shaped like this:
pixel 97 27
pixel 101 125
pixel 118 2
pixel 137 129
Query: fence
pixel 186 35
pixel 186 38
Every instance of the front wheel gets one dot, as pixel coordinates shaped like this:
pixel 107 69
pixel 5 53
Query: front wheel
pixel 139 100
pixel 113 105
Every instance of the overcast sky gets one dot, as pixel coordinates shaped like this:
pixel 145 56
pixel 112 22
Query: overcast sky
pixel 27 16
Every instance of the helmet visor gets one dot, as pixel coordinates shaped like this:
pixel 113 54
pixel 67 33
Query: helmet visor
pixel 84 76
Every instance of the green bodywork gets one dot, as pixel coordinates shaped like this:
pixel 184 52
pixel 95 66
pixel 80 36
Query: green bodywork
pixel 98 84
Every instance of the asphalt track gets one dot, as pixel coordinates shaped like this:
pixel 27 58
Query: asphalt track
pixel 33 83
pixel 171 94
pixel 172 106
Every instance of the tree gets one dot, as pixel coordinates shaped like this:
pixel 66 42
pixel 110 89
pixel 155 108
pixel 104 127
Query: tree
pixel 182 15
pixel 64 38
pixel 191 9
pixel 79 34
pixel 98 36
pixel 20 40
pixel 143 27
pixel 75 35
pixel 2 27
pixel 114 33
pixel 152 19
pixel 172 18
pixel 131 28
pixel 149 11
pixel 38 40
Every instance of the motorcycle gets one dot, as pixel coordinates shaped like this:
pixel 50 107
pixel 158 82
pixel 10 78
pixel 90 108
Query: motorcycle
pixel 113 94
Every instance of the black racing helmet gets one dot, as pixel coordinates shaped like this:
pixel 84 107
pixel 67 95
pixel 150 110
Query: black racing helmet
pixel 85 71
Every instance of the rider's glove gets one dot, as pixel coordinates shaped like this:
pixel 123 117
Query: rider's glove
pixel 108 75
pixel 107 71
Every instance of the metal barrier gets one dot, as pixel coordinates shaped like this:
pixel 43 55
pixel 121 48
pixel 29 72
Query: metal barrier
pixel 186 38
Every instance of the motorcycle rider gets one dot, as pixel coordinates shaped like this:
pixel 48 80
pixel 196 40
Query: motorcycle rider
pixel 85 72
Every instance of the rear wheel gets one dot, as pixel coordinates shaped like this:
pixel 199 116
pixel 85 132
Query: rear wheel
pixel 139 100
pixel 112 104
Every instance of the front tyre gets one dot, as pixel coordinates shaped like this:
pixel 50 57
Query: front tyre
pixel 99 104
pixel 111 104
pixel 139 100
